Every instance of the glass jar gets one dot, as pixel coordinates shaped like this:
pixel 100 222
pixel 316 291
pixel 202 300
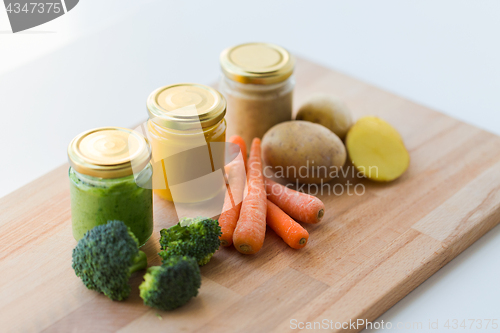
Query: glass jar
pixel 186 121
pixel 258 84
pixel 111 179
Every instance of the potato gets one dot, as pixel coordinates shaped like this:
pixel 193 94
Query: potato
pixel 303 151
pixel 328 111
pixel 377 150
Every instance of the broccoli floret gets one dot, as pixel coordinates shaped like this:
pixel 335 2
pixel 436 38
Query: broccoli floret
pixel 195 237
pixel 172 284
pixel 106 256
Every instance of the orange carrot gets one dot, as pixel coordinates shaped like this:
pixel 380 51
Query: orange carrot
pixel 236 139
pixel 234 196
pixel 300 206
pixel 250 231
pixel 290 231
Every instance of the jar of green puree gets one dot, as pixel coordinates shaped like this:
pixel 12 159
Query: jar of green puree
pixel 111 179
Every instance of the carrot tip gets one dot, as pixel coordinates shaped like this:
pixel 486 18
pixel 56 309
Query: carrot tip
pixel 320 214
pixel 224 242
pixel 302 241
pixel 246 248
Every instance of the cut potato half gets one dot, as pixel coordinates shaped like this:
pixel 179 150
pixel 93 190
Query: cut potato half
pixel 377 150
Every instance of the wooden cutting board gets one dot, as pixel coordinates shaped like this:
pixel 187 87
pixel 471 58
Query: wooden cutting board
pixel 368 252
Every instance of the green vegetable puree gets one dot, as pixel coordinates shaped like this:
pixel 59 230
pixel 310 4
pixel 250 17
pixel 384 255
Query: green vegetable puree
pixel 96 201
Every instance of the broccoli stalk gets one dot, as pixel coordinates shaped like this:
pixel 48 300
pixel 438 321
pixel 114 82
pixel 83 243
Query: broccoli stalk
pixel 139 262
pixel 171 285
pixel 205 260
pixel 194 237
pixel 105 258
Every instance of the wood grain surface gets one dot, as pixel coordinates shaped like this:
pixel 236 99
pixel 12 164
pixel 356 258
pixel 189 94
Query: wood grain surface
pixel 369 251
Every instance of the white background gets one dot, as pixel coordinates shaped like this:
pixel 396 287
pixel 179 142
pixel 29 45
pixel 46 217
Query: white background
pixel 96 65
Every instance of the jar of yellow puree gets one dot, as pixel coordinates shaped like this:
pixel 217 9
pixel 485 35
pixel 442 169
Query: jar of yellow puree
pixel 187 131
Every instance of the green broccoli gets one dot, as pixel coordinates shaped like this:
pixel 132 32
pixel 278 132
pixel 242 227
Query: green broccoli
pixel 195 237
pixel 172 284
pixel 105 258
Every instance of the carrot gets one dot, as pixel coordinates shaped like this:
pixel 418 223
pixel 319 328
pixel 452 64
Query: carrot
pixel 234 196
pixel 236 139
pixel 290 231
pixel 300 206
pixel 250 231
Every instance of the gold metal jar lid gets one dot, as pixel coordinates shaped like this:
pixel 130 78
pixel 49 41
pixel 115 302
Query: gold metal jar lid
pixel 186 106
pixel 109 152
pixel 257 63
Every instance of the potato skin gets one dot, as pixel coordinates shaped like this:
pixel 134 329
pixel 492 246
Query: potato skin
pixel 311 150
pixel 329 111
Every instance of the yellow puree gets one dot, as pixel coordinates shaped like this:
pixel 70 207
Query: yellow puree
pixel 167 142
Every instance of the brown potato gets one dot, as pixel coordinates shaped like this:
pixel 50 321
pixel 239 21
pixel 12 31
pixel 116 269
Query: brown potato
pixel 303 151
pixel 327 110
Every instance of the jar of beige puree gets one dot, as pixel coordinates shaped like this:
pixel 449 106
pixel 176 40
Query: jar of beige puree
pixel 258 84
